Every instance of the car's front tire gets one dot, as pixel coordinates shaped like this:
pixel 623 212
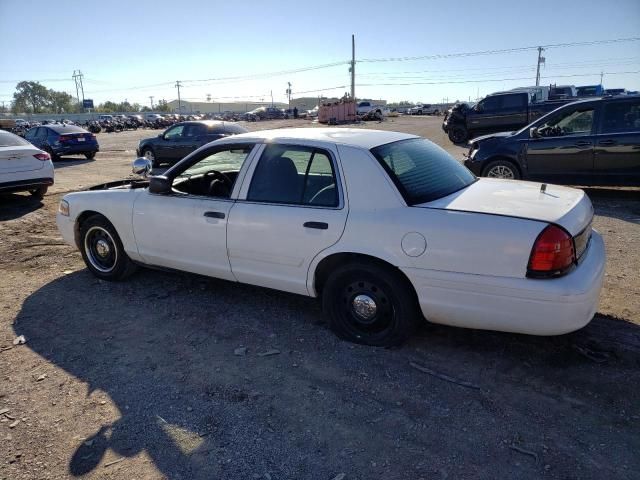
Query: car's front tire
pixel 150 155
pixel 501 169
pixel 370 304
pixel 102 250
pixel 458 134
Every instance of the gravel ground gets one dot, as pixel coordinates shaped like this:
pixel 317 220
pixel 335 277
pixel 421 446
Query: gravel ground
pixel 177 376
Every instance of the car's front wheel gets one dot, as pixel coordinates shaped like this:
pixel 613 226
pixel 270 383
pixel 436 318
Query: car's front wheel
pixel 458 134
pixel 370 304
pixel 102 250
pixel 501 169
pixel 149 154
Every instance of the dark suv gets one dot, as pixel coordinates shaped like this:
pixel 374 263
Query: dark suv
pixel 589 142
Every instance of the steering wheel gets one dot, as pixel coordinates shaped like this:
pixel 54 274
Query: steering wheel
pixel 215 174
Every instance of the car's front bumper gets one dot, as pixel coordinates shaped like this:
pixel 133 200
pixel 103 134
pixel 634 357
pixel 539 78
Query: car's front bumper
pixel 530 306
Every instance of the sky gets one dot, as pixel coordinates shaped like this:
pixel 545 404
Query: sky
pixel 130 50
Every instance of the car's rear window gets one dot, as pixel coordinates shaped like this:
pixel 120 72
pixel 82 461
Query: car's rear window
pixel 421 170
pixel 8 139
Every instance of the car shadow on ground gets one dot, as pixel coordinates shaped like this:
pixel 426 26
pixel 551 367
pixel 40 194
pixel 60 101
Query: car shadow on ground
pixel 63 162
pixel 161 346
pixel 16 205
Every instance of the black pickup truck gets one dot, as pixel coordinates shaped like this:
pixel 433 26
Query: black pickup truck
pixel 498 112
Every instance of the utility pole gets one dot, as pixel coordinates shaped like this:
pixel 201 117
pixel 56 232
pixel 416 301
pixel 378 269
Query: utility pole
pixel 541 59
pixel 272 98
pixel 75 79
pixel 601 76
pixel 151 98
pixel 289 94
pixel 179 101
pixel 353 67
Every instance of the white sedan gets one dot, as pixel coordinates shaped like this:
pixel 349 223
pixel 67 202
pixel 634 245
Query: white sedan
pixel 23 167
pixel 386 228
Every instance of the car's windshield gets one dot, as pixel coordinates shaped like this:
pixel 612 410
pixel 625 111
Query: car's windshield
pixel 10 140
pixel 223 161
pixel 421 170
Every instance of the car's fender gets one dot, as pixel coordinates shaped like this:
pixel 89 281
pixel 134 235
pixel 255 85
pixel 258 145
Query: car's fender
pixel 116 205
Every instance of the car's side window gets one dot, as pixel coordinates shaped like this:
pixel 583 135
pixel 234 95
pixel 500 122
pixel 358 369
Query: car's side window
pixel 294 175
pixel 571 122
pixel 215 174
pixel 195 130
pixel 174 133
pixel 621 117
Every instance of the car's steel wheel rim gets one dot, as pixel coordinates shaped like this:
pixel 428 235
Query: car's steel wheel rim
pixel 100 249
pixel 148 154
pixel 366 309
pixel 501 171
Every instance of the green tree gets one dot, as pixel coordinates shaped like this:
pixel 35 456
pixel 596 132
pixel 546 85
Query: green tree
pixel 62 102
pixel 162 106
pixel 31 97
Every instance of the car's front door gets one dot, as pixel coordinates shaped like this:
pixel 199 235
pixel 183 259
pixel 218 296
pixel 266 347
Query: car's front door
pixel 191 138
pixel 186 229
pixel 290 208
pixel 564 150
pixel 168 146
pixel 617 145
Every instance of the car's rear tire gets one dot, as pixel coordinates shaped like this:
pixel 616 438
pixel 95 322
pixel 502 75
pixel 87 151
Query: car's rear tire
pixel 370 304
pixel 501 169
pixel 90 155
pixel 458 134
pixel 150 155
pixel 40 191
pixel 54 157
pixel 102 250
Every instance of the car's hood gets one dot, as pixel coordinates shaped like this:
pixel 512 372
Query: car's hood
pixel 497 135
pixel 567 207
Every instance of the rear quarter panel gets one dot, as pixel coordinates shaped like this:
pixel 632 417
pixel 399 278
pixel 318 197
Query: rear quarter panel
pixel 463 242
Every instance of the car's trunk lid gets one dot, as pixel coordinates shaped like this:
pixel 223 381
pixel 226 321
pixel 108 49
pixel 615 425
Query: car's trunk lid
pixel 19 158
pixel 568 207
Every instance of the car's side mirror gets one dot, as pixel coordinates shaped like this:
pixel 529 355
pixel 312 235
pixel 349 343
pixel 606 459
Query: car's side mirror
pixel 160 185
pixel 534 133
pixel 141 166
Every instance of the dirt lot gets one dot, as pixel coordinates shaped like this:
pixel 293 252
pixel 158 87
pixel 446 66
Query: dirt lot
pixel 139 380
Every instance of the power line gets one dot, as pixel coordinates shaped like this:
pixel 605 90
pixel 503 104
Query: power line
pixel 498 51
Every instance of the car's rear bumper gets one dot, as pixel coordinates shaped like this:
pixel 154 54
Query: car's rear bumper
pixel 530 306
pixel 76 149
pixel 22 185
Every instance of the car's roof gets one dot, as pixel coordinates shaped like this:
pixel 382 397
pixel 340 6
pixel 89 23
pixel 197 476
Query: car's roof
pixel 207 123
pixel 355 137
pixel 65 128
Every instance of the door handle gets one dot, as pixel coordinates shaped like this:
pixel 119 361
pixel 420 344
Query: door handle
pixel 606 142
pixel 316 225
pixel 219 215
pixel 583 143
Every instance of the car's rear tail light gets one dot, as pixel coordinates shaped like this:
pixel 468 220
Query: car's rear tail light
pixel 64 138
pixel 42 156
pixel 553 253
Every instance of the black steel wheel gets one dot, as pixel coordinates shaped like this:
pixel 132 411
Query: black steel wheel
pixel 370 304
pixel 102 250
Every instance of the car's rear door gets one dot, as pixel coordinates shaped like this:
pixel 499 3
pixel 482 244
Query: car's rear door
pixel 291 207
pixel 617 144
